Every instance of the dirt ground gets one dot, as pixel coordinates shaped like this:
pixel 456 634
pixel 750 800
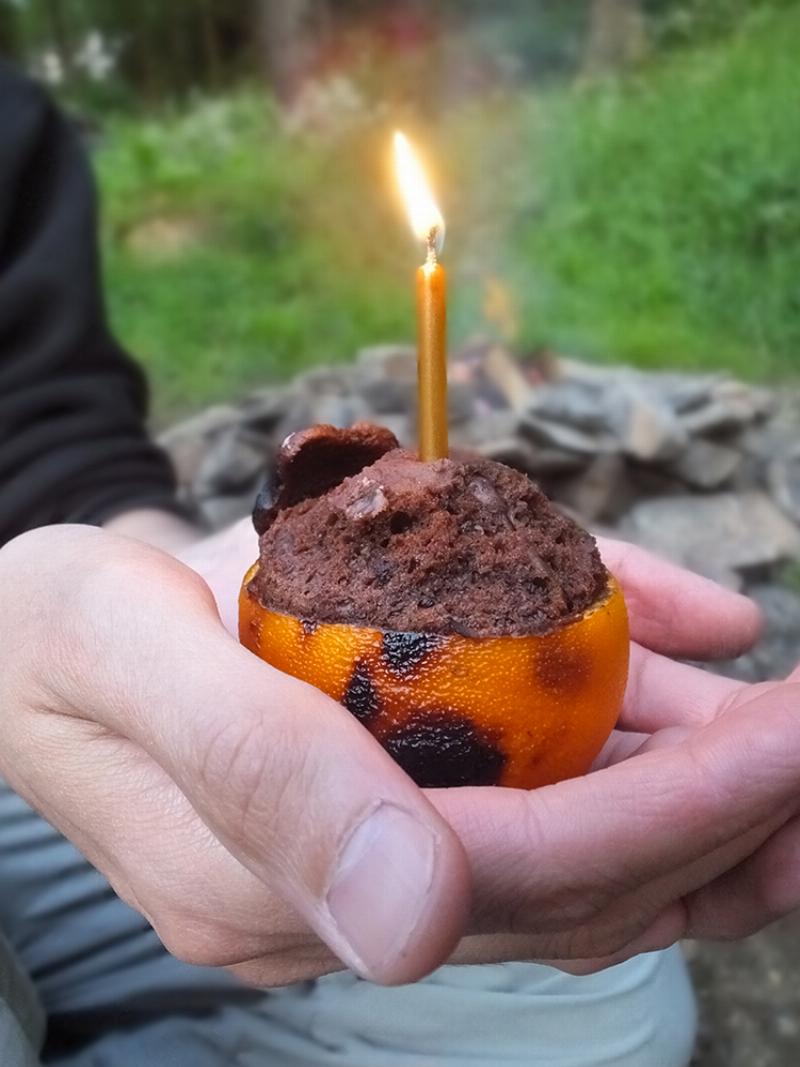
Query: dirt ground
pixel 749 996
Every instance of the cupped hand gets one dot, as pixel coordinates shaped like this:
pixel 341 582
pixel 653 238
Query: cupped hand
pixel 258 826
pixel 687 826
pixel 241 811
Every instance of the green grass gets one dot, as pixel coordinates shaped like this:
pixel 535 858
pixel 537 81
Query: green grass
pixel 668 230
pixel 654 220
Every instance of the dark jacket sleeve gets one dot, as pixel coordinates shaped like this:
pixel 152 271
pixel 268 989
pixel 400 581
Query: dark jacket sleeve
pixel 73 444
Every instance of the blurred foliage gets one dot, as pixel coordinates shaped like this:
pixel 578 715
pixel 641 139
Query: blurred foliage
pixel 632 201
pixel 666 225
pixel 682 22
pixel 237 252
pixel 653 218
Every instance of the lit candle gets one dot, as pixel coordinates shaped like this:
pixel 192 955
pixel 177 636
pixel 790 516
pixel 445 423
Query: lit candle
pixel 431 283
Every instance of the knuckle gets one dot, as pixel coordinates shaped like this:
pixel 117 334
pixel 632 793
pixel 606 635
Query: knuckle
pixel 568 894
pixel 600 940
pixel 38 569
pixel 247 761
pixel 194 938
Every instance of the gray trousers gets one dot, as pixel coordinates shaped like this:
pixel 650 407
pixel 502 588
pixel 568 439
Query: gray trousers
pixel 84 982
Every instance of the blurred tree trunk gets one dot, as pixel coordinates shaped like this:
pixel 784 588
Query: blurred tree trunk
pixel 617 37
pixel 281 32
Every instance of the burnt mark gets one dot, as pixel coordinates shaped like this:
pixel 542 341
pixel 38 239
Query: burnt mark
pixel 405 651
pixel 312 461
pixel 360 697
pixel 441 748
pixel 563 668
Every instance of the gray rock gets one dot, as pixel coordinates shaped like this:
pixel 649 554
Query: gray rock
pixel 460 402
pixel 716 534
pixel 388 395
pixel 679 392
pixel 683 392
pixel 338 380
pixel 648 430
pixel 298 417
pixel 783 475
pixel 706 464
pixel 263 409
pixel 386 377
pixel 505 374
pixel 778 651
pixel 338 410
pixel 513 451
pixel 400 426
pixel 731 405
pixel 493 434
pixel 596 493
pixel 392 359
pixel 203 424
pixel 745 990
pixel 488 426
pixel 235 462
pixel 188 441
pixel 220 511
pixel 562 436
pixel 614 406
pixel 579 403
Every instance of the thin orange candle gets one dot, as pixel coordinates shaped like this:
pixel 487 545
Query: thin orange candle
pixel 431 285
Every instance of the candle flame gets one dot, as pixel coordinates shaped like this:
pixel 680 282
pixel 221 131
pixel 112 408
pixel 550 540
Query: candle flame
pixel 426 218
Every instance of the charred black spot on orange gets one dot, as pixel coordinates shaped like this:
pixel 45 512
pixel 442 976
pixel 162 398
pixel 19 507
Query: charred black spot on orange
pixel 405 651
pixel 360 696
pixel 441 748
pixel 309 627
pixel 563 668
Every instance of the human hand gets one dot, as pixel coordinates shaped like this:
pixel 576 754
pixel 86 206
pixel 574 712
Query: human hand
pixel 198 816
pixel 249 817
pixel 687 828
pixel 672 612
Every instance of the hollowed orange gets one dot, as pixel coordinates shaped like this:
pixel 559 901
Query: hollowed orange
pixel 452 710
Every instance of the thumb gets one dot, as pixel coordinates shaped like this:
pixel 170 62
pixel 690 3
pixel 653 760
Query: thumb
pixel 285 778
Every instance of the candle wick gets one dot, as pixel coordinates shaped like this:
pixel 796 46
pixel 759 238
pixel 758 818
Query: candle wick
pixel 431 242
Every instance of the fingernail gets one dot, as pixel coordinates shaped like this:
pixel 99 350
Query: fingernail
pixel 380 888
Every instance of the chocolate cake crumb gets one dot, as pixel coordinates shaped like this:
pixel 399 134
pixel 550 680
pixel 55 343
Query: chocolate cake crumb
pixel 312 461
pixel 458 546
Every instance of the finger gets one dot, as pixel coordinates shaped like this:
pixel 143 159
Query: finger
pixel 560 856
pixel 222 561
pixel 679 613
pixel 664 931
pixel 527 948
pixel 128 817
pixel 285 778
pixel 661 693
pixel 763 888
pixel 630 922
pixel 654 916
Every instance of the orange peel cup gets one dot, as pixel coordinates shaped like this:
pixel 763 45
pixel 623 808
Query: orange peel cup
pixel 512 711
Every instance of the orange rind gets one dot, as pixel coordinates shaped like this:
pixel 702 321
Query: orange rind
pixel 518 711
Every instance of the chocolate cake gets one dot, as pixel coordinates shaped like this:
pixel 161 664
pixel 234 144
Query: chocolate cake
pixel 355 529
